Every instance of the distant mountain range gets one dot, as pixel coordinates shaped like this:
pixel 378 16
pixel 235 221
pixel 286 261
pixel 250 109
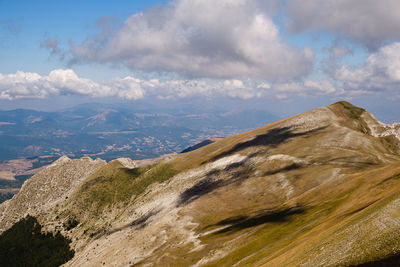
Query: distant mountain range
pixel 318 189
pixel 108 131
pixel 112 132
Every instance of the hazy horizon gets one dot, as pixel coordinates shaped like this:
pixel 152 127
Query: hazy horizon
pixel 286 57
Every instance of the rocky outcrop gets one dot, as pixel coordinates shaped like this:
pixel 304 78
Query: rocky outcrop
pixel 127 163
pixel 380 129
pixel 44 190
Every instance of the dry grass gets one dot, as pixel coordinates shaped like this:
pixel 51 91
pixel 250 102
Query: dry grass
pixel 315 189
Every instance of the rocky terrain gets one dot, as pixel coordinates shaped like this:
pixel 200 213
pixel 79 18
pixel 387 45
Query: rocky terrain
pixel 318 189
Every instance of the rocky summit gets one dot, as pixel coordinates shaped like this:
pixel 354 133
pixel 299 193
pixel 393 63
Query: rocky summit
pixel 318 189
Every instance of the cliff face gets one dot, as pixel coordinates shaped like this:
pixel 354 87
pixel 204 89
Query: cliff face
pixel 320 188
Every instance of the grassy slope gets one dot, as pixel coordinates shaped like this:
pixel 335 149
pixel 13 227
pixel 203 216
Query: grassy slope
pixel 330 209
pixel 106 194
pixel 293 239
pixel 258 224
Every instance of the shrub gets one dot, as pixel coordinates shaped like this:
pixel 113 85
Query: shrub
pixel 71 223
pixel 24 244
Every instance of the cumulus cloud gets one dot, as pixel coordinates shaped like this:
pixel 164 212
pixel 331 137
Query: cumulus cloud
pixel 380 72
pixel 336 54
pixel 235 88
pixel 66 82
pixel 211 88
pixel 307 87
pixel 32 85
pixel 199 38
pixel 368 22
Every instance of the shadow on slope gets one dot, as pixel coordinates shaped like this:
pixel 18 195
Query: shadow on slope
pixel 392 261
pixel 235 224
pixel 197 146
pixel 139 224
pixel 272 138
pixel 237 172
pixel 24 244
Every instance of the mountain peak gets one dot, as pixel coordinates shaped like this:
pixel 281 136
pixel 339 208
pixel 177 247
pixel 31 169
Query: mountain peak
pixel 59 161
pixel 349 109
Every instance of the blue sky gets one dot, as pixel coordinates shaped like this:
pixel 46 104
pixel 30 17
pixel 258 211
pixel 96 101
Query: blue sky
pixel 32 22
pixel 302 54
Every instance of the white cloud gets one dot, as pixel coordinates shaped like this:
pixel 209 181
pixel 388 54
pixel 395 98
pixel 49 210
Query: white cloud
pixel 211 88
pixel 281 96
pixel 23 85
pixel 380 72
pixel 67 82
pixel 236 84
pixel 264 85
pixel 293 87
pixel 199 38
pixel 323 86
pixel 235 88
pixel 369 22
pixel 308 87
pixel 32 85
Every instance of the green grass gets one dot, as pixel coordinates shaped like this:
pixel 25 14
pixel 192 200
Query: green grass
pixel 271 237
pixel 115 184
pixel 390 143
pixel 354 113
pixel 351 110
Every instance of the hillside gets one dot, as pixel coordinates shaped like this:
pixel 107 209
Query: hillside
pixel 318 189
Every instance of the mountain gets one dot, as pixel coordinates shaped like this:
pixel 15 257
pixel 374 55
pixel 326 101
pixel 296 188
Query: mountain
pixel 31 139
pixel 114 131
pixel 318 189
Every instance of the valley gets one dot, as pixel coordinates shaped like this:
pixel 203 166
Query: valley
pixel 30 139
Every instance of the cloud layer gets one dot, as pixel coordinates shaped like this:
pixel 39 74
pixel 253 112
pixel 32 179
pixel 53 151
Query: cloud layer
pixel 380 72
pixel 32 85
pixel 232 48
pixel 368 22
pixel 198 38
pixel 66 82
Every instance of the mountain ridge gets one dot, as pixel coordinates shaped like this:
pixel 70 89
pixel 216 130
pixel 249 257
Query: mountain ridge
pixel 319 188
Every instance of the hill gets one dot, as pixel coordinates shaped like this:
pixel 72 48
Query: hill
pixel 318 189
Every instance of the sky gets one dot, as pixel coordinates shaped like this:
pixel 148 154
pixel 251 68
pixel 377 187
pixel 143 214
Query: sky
pixel 284 56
